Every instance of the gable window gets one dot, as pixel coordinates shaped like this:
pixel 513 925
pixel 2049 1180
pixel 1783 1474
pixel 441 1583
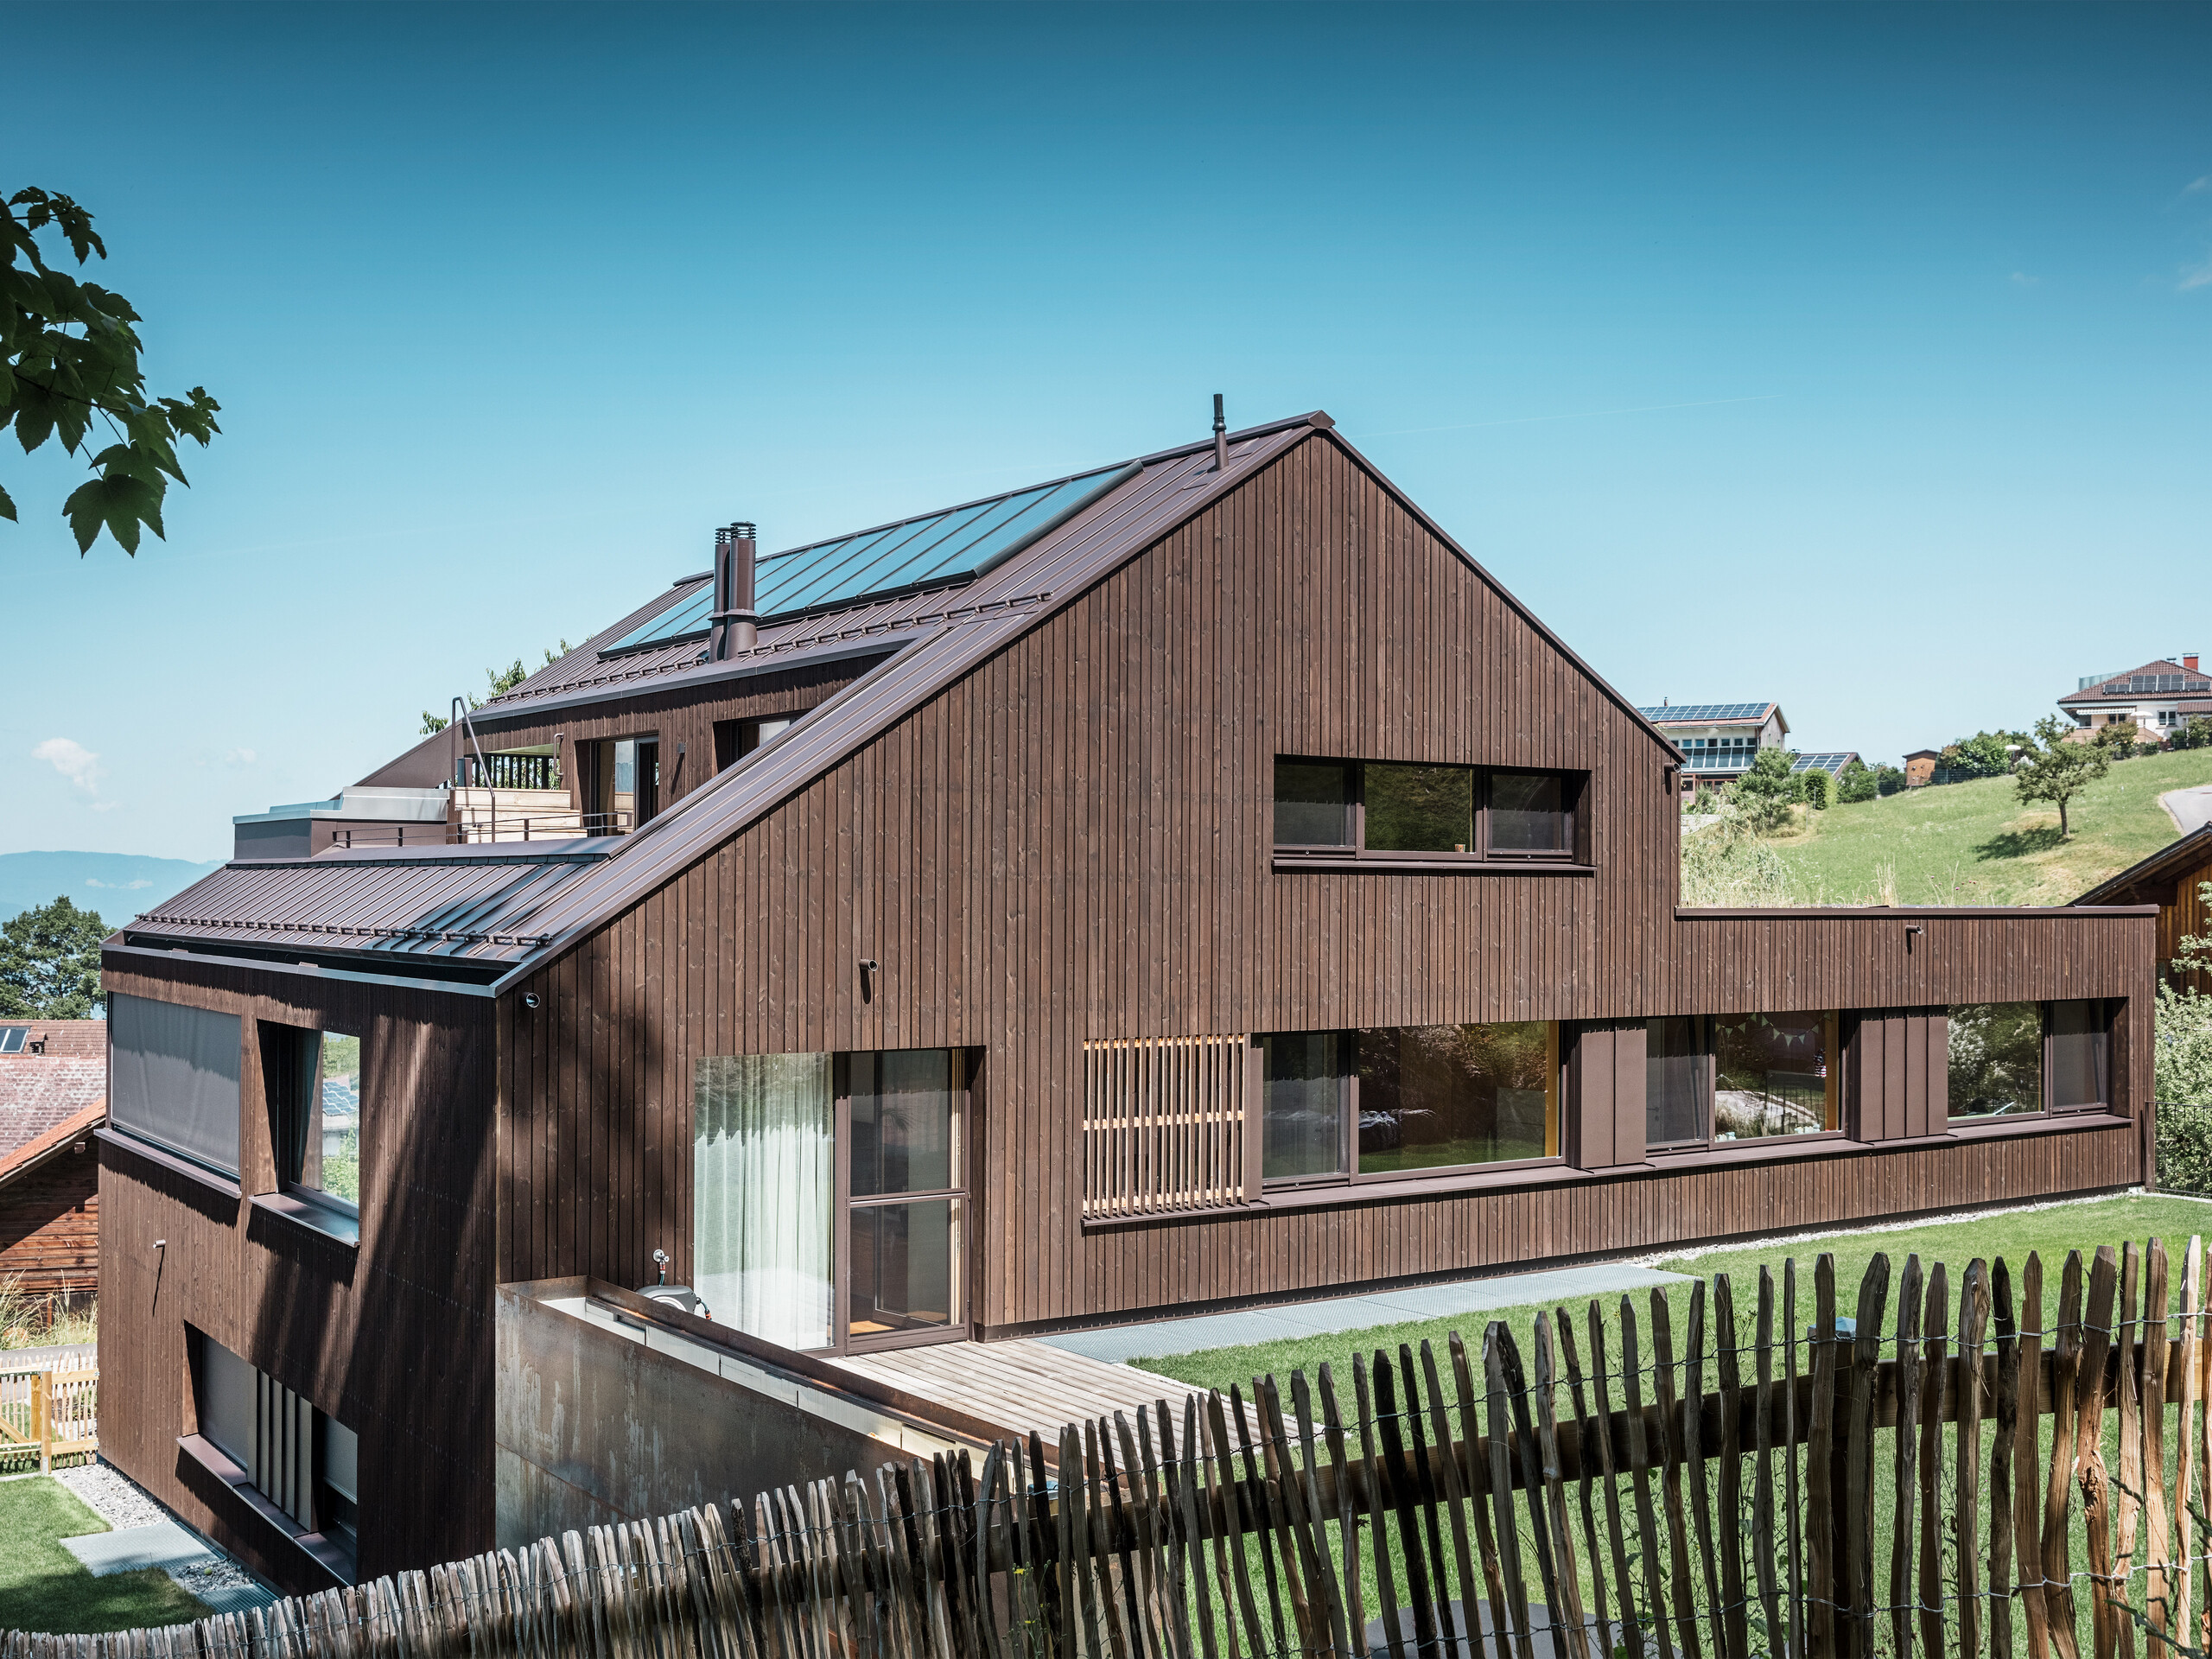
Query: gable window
pixel 1393 810
pixel 735 739
pixel 1711 1080
pixel 1388 1102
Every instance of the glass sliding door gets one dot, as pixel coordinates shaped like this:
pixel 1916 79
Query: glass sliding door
pixel 764 1195
pixel 904 1132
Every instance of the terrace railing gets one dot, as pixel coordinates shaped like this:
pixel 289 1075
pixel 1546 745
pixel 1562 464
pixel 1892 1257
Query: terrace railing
pixel 1959 1464
pixel 47 1413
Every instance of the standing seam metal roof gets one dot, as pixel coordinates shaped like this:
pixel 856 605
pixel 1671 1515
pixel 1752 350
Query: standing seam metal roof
pixel 509 910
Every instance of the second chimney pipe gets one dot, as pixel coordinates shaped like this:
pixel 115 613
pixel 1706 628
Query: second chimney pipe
pixel 1220 437
pixel 736 625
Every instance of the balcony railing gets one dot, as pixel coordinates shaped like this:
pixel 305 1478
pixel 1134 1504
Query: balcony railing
pixel 483 828
pixel 509 771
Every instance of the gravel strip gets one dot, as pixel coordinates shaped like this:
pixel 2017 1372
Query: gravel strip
pixel 121 1504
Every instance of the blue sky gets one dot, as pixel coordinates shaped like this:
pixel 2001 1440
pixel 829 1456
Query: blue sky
pixel 1854 356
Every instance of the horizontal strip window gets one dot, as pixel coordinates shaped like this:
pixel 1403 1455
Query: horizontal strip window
pixel 304 1462
pixel 2023 1059
pixel 1712 1081
pixel 1394 1103
pixel 1390 811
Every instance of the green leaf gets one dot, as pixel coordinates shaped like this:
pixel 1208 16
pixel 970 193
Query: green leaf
pixel 118 503
pixel 34 415
pixel 7 508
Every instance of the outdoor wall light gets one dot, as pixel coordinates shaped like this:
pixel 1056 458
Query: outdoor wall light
pixel 529 999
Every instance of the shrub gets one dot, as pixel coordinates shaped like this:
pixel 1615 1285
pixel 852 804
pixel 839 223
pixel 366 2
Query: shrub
pixel 1820 789
pixel 1859 782
pixel 1765 794
pixel 2195 732
pixel 1726 864
pixel 1889 780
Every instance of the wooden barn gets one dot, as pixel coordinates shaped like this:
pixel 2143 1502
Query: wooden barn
pixel 1189 884
pixel 53 1098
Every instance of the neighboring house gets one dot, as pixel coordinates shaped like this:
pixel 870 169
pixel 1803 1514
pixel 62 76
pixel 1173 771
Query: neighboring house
pixel 2160 697
pixel 2173 879
pixel 1832 762
pixel 1717 739
pixel 53 1096
pixel 1920 767
pixel 1194 884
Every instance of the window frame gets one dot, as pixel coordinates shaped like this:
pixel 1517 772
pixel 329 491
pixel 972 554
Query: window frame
pixel 1573 785
pixel 284 1085
pixel 2106 1011
pixel 1349 1174
pixel 1833 1127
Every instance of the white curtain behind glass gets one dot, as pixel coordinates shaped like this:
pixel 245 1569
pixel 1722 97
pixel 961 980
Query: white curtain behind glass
pixel 763 1187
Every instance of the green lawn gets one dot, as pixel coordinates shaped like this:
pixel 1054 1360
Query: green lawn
pixel 1976 844
pixel 2054 1231
pixel 43 1588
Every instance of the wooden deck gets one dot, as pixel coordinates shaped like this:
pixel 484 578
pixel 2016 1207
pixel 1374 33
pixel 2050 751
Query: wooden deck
pixel 1023 1385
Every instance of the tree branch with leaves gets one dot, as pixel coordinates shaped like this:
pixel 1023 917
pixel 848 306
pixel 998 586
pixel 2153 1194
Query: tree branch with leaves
pixel 69 364
pixel 2058 768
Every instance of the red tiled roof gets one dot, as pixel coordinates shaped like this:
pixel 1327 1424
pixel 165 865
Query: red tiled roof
pixel 40 1091
pixel 61 1037
pixel 33 1151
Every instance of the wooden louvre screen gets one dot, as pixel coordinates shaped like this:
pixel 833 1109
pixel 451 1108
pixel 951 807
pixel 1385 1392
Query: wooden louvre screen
pixel 1164 1126
pixel 283 1449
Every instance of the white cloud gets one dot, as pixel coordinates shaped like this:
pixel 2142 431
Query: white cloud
pixel 117 886
pixel 72 760
pixel 2196 276
pixel 239 757
pixel 2196 185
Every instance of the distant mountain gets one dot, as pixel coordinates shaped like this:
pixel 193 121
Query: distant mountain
pixel 117 884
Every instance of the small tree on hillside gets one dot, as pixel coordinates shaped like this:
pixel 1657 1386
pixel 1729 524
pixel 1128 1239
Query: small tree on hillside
pixel 1858 782
pixel 2057 770
pixel 2118 740
pixel 1766 792
pixel 50 963
pixel 1889 780
pixel 1986 754
pixel 1820 788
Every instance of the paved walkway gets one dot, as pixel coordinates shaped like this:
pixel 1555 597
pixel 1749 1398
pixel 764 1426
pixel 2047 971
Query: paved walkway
pixel 1297 1320
pixel 2189 809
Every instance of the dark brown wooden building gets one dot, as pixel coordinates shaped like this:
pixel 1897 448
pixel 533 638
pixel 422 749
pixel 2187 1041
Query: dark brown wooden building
pixel 1191 883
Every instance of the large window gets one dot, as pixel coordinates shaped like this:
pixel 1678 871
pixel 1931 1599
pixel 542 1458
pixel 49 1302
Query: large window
pixel 1677 1081
pixel 828 1195
pixel 2012 1060
pixel 1391 810
pixel 1407 1100
pixel 1995 1059
pixel 1714 1080
pixel 172 1077
pixel 315 1079
pixel 2081 1057
pixel 304 1461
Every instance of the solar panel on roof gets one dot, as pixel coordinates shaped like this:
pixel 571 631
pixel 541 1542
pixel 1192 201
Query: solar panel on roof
pixel 955 545
pixel 1835 761
pixel 1682 714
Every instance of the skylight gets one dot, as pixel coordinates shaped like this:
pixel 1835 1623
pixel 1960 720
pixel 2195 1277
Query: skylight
pixel 942 547
pixel 12 1039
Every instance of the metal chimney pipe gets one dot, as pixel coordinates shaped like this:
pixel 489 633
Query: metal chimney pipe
pixel 736 625
pixel 1220 437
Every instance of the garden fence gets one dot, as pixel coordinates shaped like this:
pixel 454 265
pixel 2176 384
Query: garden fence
pixel 46 1414
pixel 1958 1463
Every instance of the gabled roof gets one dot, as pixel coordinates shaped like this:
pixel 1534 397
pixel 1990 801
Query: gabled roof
pixel 528 904
pixel 2169 864
pixel 1710 714
pixel 29 1156
pixel 37 1092
pixel 2159 678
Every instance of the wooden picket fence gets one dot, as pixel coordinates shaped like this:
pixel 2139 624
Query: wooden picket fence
pixel 47 1414
pixel 1936 1467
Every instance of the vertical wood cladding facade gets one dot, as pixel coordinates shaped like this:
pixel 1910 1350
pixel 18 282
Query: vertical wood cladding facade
pixel 1070 843
pixel 393 1338
pixel 1074 843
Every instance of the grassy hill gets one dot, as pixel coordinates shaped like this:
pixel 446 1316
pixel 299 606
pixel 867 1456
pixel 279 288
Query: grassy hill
pixel 1975 844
